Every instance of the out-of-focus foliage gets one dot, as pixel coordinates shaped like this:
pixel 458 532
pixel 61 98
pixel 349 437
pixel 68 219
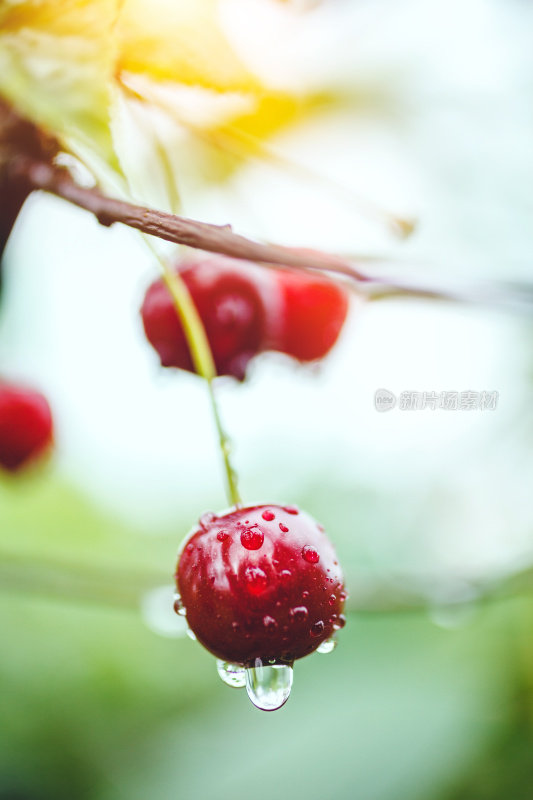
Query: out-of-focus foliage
pixel 100 73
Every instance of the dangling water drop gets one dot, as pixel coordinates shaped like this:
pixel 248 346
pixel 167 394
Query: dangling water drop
pixel 179 608
pixel 233 675
pixel 191 635
pixel 328 646
pixel 268 686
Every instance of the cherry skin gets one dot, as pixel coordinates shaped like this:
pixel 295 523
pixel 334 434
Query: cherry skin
pixel 314 310
pixel 26 428
pixel 260 582
pixel 231 298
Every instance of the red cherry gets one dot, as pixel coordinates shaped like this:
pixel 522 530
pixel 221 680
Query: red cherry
pixel 313 312
pixel 232 299
pixel 250 590
pixel 26 430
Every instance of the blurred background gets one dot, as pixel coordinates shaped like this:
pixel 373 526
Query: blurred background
pixel 429 695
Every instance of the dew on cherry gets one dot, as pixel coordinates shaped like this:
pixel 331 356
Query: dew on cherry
pixel 157 612
pixel 332 599
pixel 256 580
pixel 305 594
pixel 233 675
pixel 310 554
pixel 178 606
pixel 252 539
pixel 291 509
pixel 283 528
pixel 206 519
pixel 191 634
pixel 235 626
pixel 298 614
pixel 269 623
pixel 340 622
pixel 318 628
pixel 222 536
pixel 285 574
pixel 268 516
pixel 327 647
pixel 268 686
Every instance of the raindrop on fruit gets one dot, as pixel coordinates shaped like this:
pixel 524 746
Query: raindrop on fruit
pixel 268 686
pixel 233 675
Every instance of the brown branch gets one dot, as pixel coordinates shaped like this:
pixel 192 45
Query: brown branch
pixel 172 228
pixel 46 176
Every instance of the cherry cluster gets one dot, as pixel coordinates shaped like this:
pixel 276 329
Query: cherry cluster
pixel 246 310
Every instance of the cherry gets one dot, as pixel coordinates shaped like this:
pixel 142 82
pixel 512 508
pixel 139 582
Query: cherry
pixel 314 309
pixel 26 429
pixel 260 583
pixel 232 299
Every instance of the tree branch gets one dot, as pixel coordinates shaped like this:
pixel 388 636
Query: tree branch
pixel 46 176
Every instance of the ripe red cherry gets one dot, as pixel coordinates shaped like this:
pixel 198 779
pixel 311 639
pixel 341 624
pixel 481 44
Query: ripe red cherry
pixel 26 429
pixel 260 583
pixel 232 298
pixel 314 309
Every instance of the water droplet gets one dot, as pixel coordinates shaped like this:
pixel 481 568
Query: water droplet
pixel 283 528
pixel 256 579
pixel 327 647
pixel 179 608
pixel 318 628
pixel 158 614
pixel 298 614
pixel 310 554
pixel 235 626
pixel 222 536
pixel 191 635
pixel 285 574
pixel 233 675
pixel 332 599
pixel 252 539
pixel 268 686
pixel 206 519
pixel 342 597
pixel 190 547
pixel 268 516
pixel 305 595
pixel 291 509
pixel 340 622
pixel 270 623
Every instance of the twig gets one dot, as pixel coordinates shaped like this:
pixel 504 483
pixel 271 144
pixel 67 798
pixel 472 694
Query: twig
pixel 221 239
pixel 173 228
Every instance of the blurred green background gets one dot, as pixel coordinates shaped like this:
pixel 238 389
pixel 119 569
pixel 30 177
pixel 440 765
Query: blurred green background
pixel 429 695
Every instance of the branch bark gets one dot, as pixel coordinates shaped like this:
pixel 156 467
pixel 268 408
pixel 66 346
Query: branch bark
pixel 46 176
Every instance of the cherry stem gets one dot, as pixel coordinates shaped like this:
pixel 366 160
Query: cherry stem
pixel 202 359
pixel 225 449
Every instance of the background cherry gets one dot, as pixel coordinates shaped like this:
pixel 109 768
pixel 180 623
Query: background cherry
pixel 233 301
pixel 26 428
pixel 314 309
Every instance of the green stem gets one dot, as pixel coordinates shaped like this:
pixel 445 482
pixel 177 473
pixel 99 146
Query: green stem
pixel 202 359
pixel 225 448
